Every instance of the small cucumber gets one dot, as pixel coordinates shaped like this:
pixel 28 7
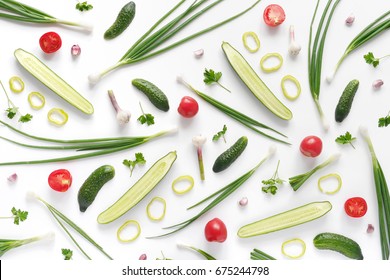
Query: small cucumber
pixel 155 95
pixel 123 20
pixel 345 102
pixel 338 243
pixel 224 160
pixel 93 184
pixel 139 190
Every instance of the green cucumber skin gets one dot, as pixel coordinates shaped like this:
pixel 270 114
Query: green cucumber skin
pixel 123 20
pixel 338 243
pixel 154 94
pixel 345 102
pixel 224 160
pixel 93 184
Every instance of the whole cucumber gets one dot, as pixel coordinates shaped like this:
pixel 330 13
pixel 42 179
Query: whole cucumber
pixel 123 20
pixel 224 160
pixel 338 243
pixel 154 94
pixel 345 102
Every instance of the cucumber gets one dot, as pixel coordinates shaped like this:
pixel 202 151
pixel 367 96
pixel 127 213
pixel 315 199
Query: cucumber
pixel 155 95
pixel 123 20
pixel 54 82
pixel 246 73
pixel 224 160
pixel 338 243
pixel 92 185
pixel 290 218
pixel 139 190
pixel 345 102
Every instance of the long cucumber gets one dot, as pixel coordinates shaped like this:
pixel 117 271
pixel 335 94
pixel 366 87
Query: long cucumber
pixel 139 190
pixel 290 218
pixel 54 82
pixel 246 73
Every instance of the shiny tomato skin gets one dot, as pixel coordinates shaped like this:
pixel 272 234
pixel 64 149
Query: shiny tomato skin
pixel 50 42
pixel 188 107
pixel 215 231
pixel 355 207
pixel 274 15
pixel 311 146
pixel 60 180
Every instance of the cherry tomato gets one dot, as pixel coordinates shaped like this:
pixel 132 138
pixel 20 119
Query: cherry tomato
pixel 215 231
pixel 274 15
pixel 311 146
pixel 50 42
pixel 188 107
pixel 355 207
pixel 60 180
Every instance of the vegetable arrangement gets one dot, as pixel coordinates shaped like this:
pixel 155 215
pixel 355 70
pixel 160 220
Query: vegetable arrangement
pixel 172 188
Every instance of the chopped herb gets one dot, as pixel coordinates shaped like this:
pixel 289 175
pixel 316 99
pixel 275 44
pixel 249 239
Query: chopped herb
pixel 18 215
pixel 210 77
pixel 25 118
pixel 146 118
pixel 371 59
pixel 83 6
pixel 67 253
pixel 384 121
pixel 139 159
pixel 271 185
pixel 220 134
pixel 346 139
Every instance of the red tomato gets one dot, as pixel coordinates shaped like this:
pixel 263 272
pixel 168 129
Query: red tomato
pixel 60 180
pixel 50 42
pixel 274 15
pixel 188 107
pixel 215 231
pixel 355 207
pixel 311 146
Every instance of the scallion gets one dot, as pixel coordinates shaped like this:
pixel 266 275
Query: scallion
pixel 9 244
pixel 258 255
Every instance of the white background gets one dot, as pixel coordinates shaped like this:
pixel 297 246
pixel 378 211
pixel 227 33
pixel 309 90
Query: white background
pixel 354 166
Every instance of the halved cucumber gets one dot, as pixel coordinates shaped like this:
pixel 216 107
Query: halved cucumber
pixel 139 190
pixel 54 82
pixel 254 83
pixel 290 218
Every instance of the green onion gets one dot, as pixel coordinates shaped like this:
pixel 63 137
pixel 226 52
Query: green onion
pixel 258 255
pixel 15 10
pixel 316 50
pixel 297 181
pixel 98 146
pixel 60 218
pixel 371 31
pixel 240 117
pixel 9 244
pixel 207 256
pixel 147 46
pixel 219 195
pixel 383 198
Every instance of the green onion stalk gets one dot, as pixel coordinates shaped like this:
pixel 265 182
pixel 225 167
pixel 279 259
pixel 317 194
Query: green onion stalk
pixel 206 255
pixel 371 31
pixel 15 10
pixel 315 54
pixel 147 46
pixel 258 255
pixel 9 244
pixel 383 197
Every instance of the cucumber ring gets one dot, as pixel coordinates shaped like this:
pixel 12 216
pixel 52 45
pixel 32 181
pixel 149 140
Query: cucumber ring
pixel 254 37
pixel 16 84
pixel 297 84
pixel 334 175
pixel 164 203
pixel 273 68
pixel 183 178
pixel 126 224
pixel 59 112
pixel 294 240
pixel 33 104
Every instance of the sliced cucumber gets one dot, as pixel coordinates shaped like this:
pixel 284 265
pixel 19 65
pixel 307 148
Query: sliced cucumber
pixel 254 83
pixel 139 190
pixel 290 218
pixel 54 82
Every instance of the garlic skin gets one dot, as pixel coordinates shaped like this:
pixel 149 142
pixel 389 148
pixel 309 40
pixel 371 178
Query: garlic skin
pixel 243 202
pixel 75 50
pixel 294 47
pixel 377 84
pixel 199 53
pixel 349 20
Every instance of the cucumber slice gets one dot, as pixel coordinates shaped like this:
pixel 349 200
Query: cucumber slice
pixel 54 82
pixel 254 83
pixel 290 218
pixel 139 190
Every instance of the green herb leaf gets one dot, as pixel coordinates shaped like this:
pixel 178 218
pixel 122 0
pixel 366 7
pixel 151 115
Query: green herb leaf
pixel 371 59
pixel 220 134
pixel 19 215
pixel 25 118
pixel 271 189
pixel 271 185
pixel 11 112
pixel 67 253
pixel 146 118
pixel 346 139
pixel 139 159
pixel 210 77
pixel 84 6
pixel 384 121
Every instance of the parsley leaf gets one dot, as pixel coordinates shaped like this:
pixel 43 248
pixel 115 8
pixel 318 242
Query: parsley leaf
pixel 384 121
pixel 11 112
pixel 83 6
pixel 25 118
pixel 139 159
pixel 271 189
pixel 67 253
pixel 371 59
pixel 346 139
pixel 145 118
pixel 19 215
pixel 220 134
pixel 271 185
pixel 210 77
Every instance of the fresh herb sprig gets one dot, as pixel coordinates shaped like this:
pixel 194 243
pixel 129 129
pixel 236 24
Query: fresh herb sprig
pixel 13 110
pixel 18 215
pixel 67 253
pixel 347 138
pixel 271 185
pixel 220 134
pixel 139 160
pixel 83 6
pixel 384 121
pixel 145 118
pixel 211 77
